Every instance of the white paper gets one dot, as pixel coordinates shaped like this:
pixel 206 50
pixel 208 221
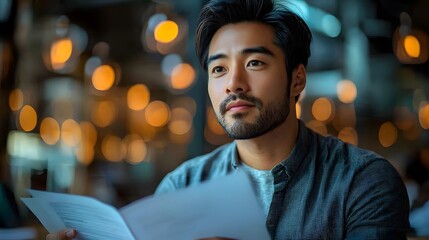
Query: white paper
pixel 224 207
pixel 92 218
pixel 20 233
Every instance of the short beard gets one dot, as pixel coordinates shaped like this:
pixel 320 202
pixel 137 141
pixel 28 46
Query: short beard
pixel 270 118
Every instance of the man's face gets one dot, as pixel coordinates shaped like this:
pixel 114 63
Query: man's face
pixel 247 80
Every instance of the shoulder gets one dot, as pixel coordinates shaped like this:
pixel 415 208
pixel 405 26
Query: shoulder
pixel 356 158
pixel 376 197
pixel 199 169
pixel 356 166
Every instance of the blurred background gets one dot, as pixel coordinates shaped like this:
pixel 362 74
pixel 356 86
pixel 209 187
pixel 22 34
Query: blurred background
pixel 104 97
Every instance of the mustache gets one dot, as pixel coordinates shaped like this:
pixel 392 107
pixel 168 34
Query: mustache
pixel 239 96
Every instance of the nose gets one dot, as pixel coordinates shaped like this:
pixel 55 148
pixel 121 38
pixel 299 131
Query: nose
pixel 237 82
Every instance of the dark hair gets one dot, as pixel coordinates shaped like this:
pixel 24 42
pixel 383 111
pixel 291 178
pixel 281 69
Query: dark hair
pixel 292 34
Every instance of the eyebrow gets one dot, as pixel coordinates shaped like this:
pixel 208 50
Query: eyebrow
pixel 260 49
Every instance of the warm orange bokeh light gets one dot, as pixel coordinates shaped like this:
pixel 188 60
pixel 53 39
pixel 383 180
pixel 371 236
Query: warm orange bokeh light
pixel 138 97
pixel 166 31
pixel 50 131
pixel 348 135
pixel 298 110
pixel 85 152
pixel 136 149
pixel 71 134
pixel 89 133
pixel 412 46
pixel 157 113
pixel 182 76
pixel 424 116
pixel 104 113
pixel 318 127
pixel 322 109
pixel 346 91
pixel 61 51
pixel 103 77
pixel 16 99
pixel 387 134
pixel 27 118
pixel 181 121
pixel 113 148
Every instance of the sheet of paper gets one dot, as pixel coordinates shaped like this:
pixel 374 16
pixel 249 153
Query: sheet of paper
pixel 225 207
pixel 20 233
pixel 92 218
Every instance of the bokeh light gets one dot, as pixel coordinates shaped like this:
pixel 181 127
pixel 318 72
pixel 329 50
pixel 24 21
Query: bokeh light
pixel 138 97
pixel 103 77
pixel 346 91
pixel 317 126
pixel 16 99
pixel 85 153
pixel 412 46
pixel 157 113
pixel 85 150
pixel 61 50
pixel 27 118
pixel 89 133
pixel 348 135
pixel 113 148
pixel 50 131
pixel 322 109
pixel 166 31
pixel 182 76
pixel 387 134
pixel 103 113
pixel 298 110
pixel 71 134
pixel 424 115
pixel 180 122
pixel 136 148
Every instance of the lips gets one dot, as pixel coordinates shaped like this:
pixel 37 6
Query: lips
pixel 238 105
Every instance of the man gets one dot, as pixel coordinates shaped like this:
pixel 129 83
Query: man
pixel 310 187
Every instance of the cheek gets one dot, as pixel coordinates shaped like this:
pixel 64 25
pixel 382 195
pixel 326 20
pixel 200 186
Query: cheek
pixel 215 101
pixel 270 85
pixel 215 92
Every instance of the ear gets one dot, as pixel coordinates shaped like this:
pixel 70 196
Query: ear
pixel 299 79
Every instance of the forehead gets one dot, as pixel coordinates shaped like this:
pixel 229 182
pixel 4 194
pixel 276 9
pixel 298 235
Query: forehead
pixel 237 36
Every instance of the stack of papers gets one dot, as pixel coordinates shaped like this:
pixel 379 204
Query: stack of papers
pixel 223 207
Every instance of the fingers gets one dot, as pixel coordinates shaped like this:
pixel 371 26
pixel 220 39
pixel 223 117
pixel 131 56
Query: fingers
pixel 65 234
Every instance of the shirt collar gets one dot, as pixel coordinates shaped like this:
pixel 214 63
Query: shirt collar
pixel 233 154
pixel 299 152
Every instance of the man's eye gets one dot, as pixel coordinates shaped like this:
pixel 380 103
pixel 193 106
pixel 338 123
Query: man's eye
pixel 254 63
pixel 217 69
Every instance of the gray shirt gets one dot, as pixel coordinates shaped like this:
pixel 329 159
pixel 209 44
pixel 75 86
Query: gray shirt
pixel 263 183
pixel 325 189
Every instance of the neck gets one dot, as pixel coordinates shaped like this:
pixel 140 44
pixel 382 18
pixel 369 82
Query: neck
pixel 266 151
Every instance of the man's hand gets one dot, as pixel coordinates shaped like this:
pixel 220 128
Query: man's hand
pixel 65 234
